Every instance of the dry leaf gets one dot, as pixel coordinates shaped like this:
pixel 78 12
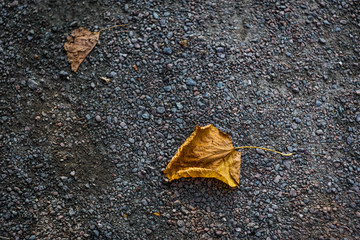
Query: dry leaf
pixel 207 153
pixel 78 45
pixel 157 214
pixel 135 67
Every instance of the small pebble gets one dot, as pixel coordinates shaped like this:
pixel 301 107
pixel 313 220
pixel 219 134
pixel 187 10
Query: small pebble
pixel 33 84
pixel 167 51
pixel 160 110
pixel 63 73
pixel 293 193
pixel 190 82
pixel 322 40
pixel 343 22
pixel 319 132
pixel 145 115
pixel 277 179
pixel 71 212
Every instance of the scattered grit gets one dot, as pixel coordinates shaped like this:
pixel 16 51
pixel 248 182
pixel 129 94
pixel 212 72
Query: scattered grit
pixel 82 158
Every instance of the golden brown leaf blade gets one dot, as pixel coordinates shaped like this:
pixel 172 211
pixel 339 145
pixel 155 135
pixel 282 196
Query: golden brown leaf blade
pixel 207 153
pixel 78 45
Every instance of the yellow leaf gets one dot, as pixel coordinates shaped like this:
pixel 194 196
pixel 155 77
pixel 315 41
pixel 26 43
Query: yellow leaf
pixel 125 215
pixel 78 45
pixel 157 214
pixel 207 153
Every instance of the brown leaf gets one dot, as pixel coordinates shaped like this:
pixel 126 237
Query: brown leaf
pixel 207 153
pixel 78 45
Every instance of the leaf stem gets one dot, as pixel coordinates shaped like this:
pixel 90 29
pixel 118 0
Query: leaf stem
pixel 267 149
pixel 122 25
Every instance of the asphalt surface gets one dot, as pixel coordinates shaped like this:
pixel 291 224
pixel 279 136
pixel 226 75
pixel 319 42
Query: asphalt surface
pixel 82 158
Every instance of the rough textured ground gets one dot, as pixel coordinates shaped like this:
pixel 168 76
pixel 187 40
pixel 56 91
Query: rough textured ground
pixel 83 159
